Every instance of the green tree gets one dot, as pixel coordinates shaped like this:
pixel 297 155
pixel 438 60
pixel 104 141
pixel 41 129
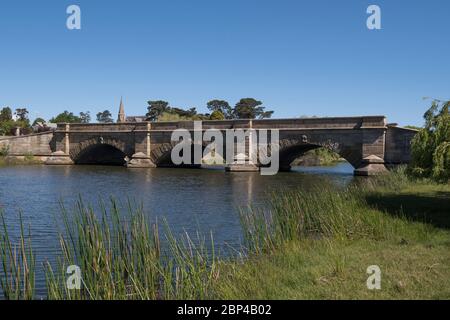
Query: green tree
pixel 105 117
pixel 160 110
pixel 156 108
pixel 222 106
pixel 431 145
pixel 249 108
pixel 5 114
pixel 217 115
pixel 85 117
pixel 6 127
pixel 65 117
pixel 22 114
pixel 38 120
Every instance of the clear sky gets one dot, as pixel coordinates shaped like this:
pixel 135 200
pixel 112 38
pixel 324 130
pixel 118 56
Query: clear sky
pixel 298 57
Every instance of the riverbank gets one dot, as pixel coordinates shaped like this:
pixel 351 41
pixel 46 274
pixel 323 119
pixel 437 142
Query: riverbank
pixel 302 244
pixel 20 160
pixel 399 225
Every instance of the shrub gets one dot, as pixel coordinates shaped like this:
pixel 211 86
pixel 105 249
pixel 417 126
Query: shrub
pixel 4 151
pixel 217 115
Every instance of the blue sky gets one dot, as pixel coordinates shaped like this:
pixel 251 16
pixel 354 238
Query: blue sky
pixel 298 57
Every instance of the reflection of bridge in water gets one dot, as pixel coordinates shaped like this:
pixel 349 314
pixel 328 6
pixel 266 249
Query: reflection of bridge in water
pixel 367 143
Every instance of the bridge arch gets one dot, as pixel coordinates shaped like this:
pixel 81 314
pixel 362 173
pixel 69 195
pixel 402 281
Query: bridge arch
pixel 292 148
pixel 105 151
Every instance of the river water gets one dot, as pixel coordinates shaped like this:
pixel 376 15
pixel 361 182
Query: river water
pixel 191 200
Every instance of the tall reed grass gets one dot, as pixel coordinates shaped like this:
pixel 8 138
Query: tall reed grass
pixel 120 257
pixel 325 212
pixel 18 263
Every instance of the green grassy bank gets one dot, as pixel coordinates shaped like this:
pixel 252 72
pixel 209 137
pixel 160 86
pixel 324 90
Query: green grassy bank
pixel 301 245
pixel 319 246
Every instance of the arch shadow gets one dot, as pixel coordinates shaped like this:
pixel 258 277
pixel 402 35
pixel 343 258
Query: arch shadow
pixel 161 156
pixel 100 154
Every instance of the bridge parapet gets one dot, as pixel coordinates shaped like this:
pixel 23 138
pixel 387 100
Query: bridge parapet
pixel 365 122
pixel 100 127
pixel 322 123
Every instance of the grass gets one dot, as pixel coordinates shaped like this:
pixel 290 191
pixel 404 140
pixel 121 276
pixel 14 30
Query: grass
pixel 301 245
pixel 337 270
pixel 121 258
pixel 318 245
pixel 18 264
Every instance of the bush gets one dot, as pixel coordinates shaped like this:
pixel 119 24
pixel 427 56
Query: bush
pixel 4 151
pixel 217 115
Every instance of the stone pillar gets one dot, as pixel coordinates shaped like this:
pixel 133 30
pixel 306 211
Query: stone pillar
pixel 141 159
pixel 149 146
pixel 67 140
pixel 246 164
pixel 62 157
pixel 59 158
pixel 371 166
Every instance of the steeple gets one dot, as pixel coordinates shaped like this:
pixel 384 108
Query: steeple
pixel 121 117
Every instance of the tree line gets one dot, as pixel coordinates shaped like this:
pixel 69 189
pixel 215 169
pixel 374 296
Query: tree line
pixel 9 121
pixel 246 108
pixel 157 110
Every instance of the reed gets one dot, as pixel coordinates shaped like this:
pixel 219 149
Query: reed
pixel 325 212
pixel 18 263
pixel 120 257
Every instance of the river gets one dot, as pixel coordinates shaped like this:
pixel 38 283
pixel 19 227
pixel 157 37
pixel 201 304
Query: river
pixel 191 200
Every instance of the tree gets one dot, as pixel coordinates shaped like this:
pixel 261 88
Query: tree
pixel 431 145
pixel 156 108
pixel 7 127
pixel 21 114
pixel 6 114
pixel 160 110
pixel 105 117
pixel 85 117
pixel 38 120
pixel 222 106
pixel 65 117
pixel 249 108
pixel 217 115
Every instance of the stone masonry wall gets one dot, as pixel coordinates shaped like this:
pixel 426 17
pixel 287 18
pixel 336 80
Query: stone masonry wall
pixel 39 144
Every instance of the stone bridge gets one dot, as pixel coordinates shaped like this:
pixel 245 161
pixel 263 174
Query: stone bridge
pixel 367 142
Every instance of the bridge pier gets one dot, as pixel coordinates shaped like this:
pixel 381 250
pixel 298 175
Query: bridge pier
pixel 246 167
pixel 59 158
pixel 371 166
pixel 140 160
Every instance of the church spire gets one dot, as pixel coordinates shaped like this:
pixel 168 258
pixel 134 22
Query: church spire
pixel 121 117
